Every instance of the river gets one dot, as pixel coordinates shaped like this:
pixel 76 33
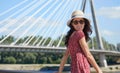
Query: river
pixel 48 69
pixel 11 71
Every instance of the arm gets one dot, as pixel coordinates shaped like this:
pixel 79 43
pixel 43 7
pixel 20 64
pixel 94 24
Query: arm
pixel 89 56
pixel 63 61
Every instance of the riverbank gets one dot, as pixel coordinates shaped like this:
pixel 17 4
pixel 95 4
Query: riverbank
pixel 109 69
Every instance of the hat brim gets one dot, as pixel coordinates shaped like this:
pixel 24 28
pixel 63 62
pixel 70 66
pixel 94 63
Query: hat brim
pixel 69 21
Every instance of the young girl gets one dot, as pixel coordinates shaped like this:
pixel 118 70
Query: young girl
pixel 77 48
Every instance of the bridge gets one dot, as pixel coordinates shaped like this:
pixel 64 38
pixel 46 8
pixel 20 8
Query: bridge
pixel 40 26
pixel 45 49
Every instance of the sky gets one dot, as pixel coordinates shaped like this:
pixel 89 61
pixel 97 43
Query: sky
pixel 108 19
pixel 107 16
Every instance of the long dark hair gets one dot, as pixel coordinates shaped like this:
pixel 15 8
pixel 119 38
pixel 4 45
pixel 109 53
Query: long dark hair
pixel 87 31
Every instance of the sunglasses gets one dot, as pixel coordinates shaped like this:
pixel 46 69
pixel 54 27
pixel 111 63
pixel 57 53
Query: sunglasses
pixel 76 22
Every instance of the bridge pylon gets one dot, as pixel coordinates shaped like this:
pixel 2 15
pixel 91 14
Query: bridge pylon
pixel 102 57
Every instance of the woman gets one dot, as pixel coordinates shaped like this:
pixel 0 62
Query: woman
pixel 77 48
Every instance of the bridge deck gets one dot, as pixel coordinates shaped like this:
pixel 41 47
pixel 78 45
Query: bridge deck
pixel 50 49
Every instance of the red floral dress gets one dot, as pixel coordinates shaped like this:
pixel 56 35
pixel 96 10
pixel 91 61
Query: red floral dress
pixel 79 62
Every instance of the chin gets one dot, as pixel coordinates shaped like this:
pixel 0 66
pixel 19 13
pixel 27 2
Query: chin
pixel 79 29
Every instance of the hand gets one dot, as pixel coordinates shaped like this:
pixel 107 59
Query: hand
pixel 100 71
pixel 57 72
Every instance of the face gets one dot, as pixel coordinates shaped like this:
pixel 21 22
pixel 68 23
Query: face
pixel 78 23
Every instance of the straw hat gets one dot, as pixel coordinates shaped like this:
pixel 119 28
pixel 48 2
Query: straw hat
pixel 77 14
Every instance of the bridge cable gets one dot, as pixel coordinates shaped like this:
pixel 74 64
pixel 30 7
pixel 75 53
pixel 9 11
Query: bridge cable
pixel 51 26
pixel 32 24
pixel 52 41
pixel 25 21
pixel 8 25
pixel 13 7
pixel 43 32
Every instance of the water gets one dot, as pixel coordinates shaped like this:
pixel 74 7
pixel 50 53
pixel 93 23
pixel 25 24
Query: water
pixel 53 69
pixel 16 71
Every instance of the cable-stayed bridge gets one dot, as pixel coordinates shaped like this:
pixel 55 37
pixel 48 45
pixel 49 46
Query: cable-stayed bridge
pixel 40 26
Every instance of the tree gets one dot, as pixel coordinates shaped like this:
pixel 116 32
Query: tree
pixel 29 58
pixel 9 60
pixel 8 40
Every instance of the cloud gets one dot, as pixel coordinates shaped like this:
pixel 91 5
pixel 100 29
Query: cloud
pixel 10 25
pixel 111 36
pixel 3 29
pixel 110 12
pixel 108 33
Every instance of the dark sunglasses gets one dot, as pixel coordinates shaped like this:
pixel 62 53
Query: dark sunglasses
pixel 76 22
